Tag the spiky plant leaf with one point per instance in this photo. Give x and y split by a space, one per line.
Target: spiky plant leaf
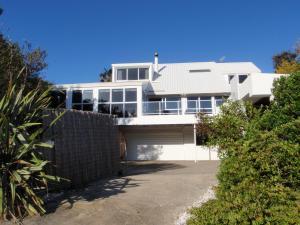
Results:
22 175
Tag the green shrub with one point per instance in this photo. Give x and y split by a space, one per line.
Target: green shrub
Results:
259 175
22 176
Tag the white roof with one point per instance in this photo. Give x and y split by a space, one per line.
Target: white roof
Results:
177 78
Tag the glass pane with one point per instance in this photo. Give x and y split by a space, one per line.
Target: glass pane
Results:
242 78
87 96
219 100
117 109
130 110
121 74
76 106
117 95
130 95
192 98
192 104
205 104
208 111
144 73
104 95
87 107
58 99
133 74
205 98
151 107
172 105
104 108
76 96
174 98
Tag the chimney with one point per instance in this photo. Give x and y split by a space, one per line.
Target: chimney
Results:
156 62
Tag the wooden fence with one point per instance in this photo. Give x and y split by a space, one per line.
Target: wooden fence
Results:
86 147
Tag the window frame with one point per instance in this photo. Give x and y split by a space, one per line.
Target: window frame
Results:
123 102
138 73
82 103
198 100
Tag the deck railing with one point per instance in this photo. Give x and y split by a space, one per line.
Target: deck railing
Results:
162 108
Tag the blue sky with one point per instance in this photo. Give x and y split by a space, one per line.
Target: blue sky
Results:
83 37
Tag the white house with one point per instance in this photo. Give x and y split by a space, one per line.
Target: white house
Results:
155 104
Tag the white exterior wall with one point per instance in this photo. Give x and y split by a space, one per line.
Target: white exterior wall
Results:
147 136
163 143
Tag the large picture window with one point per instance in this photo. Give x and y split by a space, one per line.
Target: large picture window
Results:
133 74
82 100
119 102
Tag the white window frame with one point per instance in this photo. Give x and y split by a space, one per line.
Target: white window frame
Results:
123 100
82 103
138 69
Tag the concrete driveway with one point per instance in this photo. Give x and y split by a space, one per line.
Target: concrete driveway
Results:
149 193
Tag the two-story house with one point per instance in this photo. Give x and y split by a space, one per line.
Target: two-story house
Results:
155 104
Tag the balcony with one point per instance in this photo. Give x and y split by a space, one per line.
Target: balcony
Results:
175 107
162 108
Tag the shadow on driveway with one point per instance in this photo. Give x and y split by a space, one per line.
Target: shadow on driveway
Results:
147 167
108 187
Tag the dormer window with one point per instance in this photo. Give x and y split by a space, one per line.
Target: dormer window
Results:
121 74
125 74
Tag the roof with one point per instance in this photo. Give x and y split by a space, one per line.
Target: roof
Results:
205 77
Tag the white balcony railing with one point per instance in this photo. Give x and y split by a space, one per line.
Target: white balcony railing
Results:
196 106
162 108
175 108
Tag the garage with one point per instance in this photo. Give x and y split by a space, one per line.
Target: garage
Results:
159 143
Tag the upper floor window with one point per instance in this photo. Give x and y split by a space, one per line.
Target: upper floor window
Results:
82 100
230 77
199 104
120 102
133 74
242 78
220 100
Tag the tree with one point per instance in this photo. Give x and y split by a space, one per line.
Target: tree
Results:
23 66
106 75
259 179
287 62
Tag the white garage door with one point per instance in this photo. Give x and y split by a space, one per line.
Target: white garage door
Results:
155 146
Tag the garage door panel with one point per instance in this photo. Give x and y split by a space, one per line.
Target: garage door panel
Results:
155 146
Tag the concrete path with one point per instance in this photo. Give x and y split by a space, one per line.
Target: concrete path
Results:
149 193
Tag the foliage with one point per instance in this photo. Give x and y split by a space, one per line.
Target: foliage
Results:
106 75
30 61
287 62
259 175
22 176
288 67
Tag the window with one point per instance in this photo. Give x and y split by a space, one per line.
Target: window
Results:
242 78
123 102
205 104
143 73
230 77
104 101
117 95
133 74
199 104
201 139
130 95
83 100
58 99
220 100
172 105
121 74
